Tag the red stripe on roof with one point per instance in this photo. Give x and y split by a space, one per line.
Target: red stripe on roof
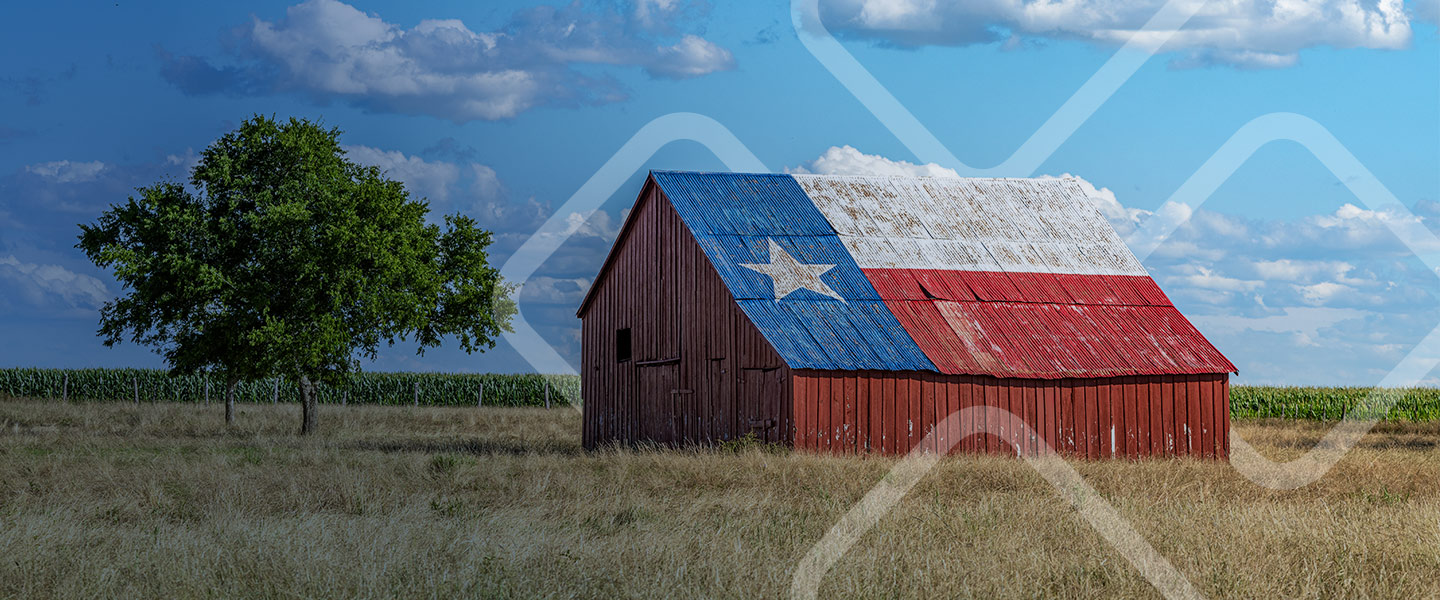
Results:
1048 326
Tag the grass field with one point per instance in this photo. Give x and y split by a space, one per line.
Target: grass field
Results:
114 500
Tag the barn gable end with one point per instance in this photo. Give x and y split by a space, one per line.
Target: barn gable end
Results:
699 371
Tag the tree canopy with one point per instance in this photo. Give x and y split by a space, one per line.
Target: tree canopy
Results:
284 258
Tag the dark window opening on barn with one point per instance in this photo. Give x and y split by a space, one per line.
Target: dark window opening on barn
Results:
622 344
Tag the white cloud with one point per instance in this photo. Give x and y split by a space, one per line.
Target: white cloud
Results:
1353 227
1309 271
1249 34
64 171
423 179
553 290
42 283
1301 320
1320 293
650 13
329 47
487 182
187 161
1122 218
846 160
1205 278
693 56
441 67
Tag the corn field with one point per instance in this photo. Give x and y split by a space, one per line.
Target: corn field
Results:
1335 403
465 389
429 389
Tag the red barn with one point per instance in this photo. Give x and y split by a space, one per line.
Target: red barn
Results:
854 314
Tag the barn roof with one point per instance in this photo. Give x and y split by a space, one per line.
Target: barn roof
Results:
1003 277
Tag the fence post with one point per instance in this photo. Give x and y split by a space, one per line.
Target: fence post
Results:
417 393
547 393
480 395
345 397
275 396
136 384
207 391
65 391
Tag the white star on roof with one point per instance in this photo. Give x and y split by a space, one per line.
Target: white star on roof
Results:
788 274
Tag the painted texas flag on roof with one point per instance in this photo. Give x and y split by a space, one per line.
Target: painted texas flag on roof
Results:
1003 277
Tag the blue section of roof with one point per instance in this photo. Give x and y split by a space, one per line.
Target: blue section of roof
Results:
831 334
728 252
734 217
742 204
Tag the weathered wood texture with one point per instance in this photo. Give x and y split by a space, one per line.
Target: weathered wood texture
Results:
699 371
845 412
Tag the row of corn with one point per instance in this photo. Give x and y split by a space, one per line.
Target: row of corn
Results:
1335 403
490 389
429 389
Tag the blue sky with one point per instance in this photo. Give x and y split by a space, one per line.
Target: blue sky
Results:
503 110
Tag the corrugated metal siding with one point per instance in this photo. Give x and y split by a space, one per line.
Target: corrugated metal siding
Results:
844 412
700 371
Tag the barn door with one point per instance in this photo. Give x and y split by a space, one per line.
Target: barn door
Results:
658 402
760 403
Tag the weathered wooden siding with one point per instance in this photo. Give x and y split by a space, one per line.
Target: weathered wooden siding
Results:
700 371
891 412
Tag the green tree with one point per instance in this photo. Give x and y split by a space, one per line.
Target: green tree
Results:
284 258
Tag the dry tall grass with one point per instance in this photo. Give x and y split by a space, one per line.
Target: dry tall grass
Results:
112 500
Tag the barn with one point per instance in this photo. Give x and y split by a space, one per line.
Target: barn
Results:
855 314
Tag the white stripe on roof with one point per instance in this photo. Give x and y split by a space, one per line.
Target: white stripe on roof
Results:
1014 225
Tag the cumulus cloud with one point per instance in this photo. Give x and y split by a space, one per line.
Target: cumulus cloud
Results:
487 182
1205 278
422 178
846 160
43 284
555 290
1247 34
693 56
441 67
64 171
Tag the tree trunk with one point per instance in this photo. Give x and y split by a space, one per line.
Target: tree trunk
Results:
230 400
308 423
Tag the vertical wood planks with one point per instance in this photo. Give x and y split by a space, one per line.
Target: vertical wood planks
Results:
1157 429
1105 427
1225 420
852 420
1167 414
1207 417
1193 415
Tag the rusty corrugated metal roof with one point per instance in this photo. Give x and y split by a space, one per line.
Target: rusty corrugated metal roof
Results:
1004 277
